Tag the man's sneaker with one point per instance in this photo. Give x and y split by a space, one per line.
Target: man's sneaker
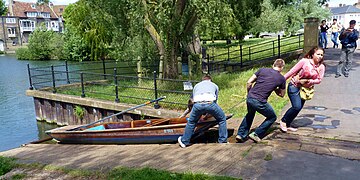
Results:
239 139
346 75
254 137
292 129
283 126
337 75
181 144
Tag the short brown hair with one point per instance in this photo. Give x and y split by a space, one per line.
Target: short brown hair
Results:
280 63
206 77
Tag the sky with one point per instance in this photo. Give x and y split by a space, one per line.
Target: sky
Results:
335 3
56 2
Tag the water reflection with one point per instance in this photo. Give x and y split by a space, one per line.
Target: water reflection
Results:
17 116
42 127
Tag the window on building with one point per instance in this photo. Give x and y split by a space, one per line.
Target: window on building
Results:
11 30
10 20
31 14
45 15
33 6
61 9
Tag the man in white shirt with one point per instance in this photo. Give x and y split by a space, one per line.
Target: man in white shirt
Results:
205 95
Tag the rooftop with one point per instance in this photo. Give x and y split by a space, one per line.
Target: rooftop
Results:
344 10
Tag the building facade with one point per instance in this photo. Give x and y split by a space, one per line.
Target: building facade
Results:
345 14
23 18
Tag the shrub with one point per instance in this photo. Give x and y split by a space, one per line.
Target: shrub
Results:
6 165
23 53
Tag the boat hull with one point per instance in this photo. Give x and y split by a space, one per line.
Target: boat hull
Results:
142 133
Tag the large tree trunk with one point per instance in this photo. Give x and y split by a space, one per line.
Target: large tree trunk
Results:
173 37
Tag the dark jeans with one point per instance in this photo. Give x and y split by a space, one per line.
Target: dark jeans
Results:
200 109
296 104
263 108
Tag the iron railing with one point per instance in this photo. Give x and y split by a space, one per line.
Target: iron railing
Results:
93 82
244 56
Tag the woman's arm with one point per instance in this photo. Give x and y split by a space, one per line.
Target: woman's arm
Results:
294 70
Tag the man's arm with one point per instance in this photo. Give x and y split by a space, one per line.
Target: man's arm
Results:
280 92
250 82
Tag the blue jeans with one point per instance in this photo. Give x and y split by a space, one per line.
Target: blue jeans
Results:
323 40
334 37
200 109
263 108
296 104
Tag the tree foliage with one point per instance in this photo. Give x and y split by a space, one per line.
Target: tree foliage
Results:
271 19
43 45
3 8
150 29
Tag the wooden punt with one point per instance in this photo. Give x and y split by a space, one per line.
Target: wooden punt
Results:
148 131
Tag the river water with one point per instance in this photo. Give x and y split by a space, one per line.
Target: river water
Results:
18 123
17 113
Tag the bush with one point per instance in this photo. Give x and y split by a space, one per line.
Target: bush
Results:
23 53
43 45
6 165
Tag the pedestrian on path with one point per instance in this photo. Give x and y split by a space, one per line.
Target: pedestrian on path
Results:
308 71
266 81
335 28
348 38
205 95
323 34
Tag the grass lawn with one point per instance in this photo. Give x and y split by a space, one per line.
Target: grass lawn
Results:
37 171
232 93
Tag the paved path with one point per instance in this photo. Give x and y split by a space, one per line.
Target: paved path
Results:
279 156
334 112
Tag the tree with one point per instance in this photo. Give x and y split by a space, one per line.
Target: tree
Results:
300 9
271 19
104 25
246 13
3 8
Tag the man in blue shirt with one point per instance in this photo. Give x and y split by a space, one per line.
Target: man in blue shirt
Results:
266 81
205 95
348 38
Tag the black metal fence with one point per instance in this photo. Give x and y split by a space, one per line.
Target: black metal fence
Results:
105 81
244 56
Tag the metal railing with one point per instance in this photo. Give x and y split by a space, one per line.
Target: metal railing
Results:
109 85
249 55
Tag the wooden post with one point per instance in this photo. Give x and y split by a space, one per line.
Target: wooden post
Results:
161 67
179 64
190 65
139 69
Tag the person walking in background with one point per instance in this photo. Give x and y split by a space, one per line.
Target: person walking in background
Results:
335 28
205 95
348 38
308 71
266 81
323 34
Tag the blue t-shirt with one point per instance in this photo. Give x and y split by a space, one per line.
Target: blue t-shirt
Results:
267 80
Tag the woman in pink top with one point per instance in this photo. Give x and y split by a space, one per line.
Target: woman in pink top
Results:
307 72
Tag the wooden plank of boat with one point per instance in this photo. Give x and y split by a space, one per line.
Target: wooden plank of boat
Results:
130 132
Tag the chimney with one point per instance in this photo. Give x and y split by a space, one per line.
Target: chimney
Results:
10 8
340 5
51 5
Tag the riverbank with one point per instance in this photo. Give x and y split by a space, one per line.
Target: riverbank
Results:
322 148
